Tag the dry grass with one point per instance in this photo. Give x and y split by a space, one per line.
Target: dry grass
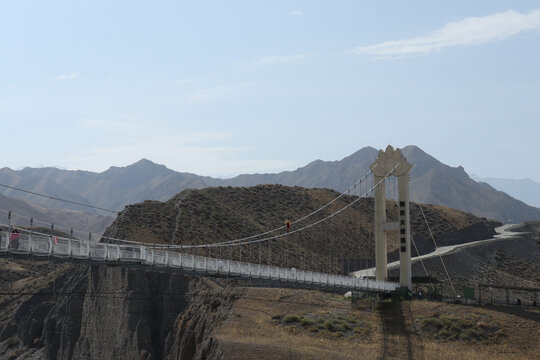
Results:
466 328
334 324
520 341
279 323
267 324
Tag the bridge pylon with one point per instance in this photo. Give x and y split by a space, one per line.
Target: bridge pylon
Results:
391 162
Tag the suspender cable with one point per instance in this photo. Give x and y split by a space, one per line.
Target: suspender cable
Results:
436 246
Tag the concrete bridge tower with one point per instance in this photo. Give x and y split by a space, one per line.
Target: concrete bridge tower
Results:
392 163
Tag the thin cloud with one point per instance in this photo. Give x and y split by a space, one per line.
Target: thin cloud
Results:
127 122
273 59
470 31
69 76
210 93
184 81
296 13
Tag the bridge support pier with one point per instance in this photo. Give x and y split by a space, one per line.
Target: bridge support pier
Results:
381 260
392 163
405 270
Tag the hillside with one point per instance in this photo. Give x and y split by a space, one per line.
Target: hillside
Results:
525 190
511 262
23 210
208 215
436 183
432 182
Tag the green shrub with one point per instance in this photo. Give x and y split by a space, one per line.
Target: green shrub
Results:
291 319
444 334
330 326
360 331
306 322
471 334
431 323
448 321
334 324
466 328
466 323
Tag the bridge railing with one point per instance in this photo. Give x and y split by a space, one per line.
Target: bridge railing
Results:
59 247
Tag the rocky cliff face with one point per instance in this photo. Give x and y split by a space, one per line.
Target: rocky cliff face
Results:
117 313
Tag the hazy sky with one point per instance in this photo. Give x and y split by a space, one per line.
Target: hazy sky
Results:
227 87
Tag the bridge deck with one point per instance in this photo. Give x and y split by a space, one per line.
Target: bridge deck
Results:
73 250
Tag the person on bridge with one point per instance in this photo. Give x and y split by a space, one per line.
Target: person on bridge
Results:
288 224
14 239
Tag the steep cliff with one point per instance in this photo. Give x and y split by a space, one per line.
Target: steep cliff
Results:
103 312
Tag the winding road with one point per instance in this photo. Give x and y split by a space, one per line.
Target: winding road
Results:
503 232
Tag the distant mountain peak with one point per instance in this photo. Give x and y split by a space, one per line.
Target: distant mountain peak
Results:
144 161
431 180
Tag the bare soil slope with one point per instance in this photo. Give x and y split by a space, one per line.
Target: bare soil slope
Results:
210 215
510 262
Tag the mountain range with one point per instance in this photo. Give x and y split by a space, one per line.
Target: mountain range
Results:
431 182
526 190
61 219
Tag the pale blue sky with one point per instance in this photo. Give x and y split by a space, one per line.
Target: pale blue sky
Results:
221 88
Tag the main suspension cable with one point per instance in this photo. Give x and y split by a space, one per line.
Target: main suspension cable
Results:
228 243
58 199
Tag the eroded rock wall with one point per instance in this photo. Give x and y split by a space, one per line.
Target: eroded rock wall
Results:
99 312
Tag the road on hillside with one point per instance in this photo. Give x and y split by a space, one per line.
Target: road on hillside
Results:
503 232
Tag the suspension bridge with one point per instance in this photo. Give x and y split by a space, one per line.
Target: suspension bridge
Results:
20 242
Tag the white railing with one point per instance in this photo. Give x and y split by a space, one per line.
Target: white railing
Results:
24 244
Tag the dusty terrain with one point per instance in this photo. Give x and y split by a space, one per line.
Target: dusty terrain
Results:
255 329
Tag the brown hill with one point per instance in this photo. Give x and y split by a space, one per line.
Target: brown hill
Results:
510 262
196 217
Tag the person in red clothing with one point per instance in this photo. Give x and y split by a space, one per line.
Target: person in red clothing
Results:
14 239
288 224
